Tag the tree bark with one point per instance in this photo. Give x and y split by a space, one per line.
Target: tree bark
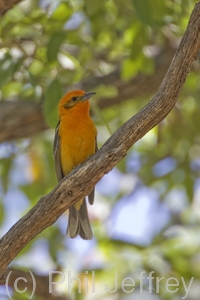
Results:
81 180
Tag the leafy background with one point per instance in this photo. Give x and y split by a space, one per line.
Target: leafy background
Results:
146 215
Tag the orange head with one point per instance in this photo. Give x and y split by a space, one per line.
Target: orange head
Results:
75 101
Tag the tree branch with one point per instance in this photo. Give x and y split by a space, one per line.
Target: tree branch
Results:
140 85
28 117
82 179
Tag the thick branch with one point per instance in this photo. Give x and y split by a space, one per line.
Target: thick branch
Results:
81 180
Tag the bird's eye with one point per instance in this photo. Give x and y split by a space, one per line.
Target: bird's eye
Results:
74 98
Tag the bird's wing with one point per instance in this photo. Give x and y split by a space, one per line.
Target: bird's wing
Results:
56 154
96 146
91 195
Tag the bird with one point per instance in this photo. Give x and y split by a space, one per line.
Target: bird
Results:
75 140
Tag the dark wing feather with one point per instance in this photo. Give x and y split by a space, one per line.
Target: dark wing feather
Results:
79 222
91 195
56 154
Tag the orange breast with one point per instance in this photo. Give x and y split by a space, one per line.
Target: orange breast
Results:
77 140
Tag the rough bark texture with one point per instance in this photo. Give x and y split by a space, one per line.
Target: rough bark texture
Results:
82 179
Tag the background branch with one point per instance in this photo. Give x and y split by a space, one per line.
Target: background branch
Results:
81 180
28 117
41 283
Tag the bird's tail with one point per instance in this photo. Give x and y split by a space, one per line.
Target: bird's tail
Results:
79 223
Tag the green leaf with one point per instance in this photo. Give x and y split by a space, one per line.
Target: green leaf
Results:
53 95
93 7
6 165
85 55
130 68
98 112
6 69
62 12
2 212
54 45
36 67
150 12
11 89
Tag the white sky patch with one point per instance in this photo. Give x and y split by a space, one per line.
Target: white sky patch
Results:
2 53
38 253
109 184
66 62
75 21
16 52
138 217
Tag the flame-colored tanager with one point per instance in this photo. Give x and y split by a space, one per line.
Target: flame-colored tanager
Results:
75 140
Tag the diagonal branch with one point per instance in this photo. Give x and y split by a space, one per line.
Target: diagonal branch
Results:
82 179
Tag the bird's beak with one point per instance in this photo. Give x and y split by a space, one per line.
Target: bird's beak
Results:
88 95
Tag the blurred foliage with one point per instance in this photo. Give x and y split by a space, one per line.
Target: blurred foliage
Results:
46 47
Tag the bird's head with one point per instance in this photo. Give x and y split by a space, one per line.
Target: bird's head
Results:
75 100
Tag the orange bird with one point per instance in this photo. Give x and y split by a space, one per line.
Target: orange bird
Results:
75 140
